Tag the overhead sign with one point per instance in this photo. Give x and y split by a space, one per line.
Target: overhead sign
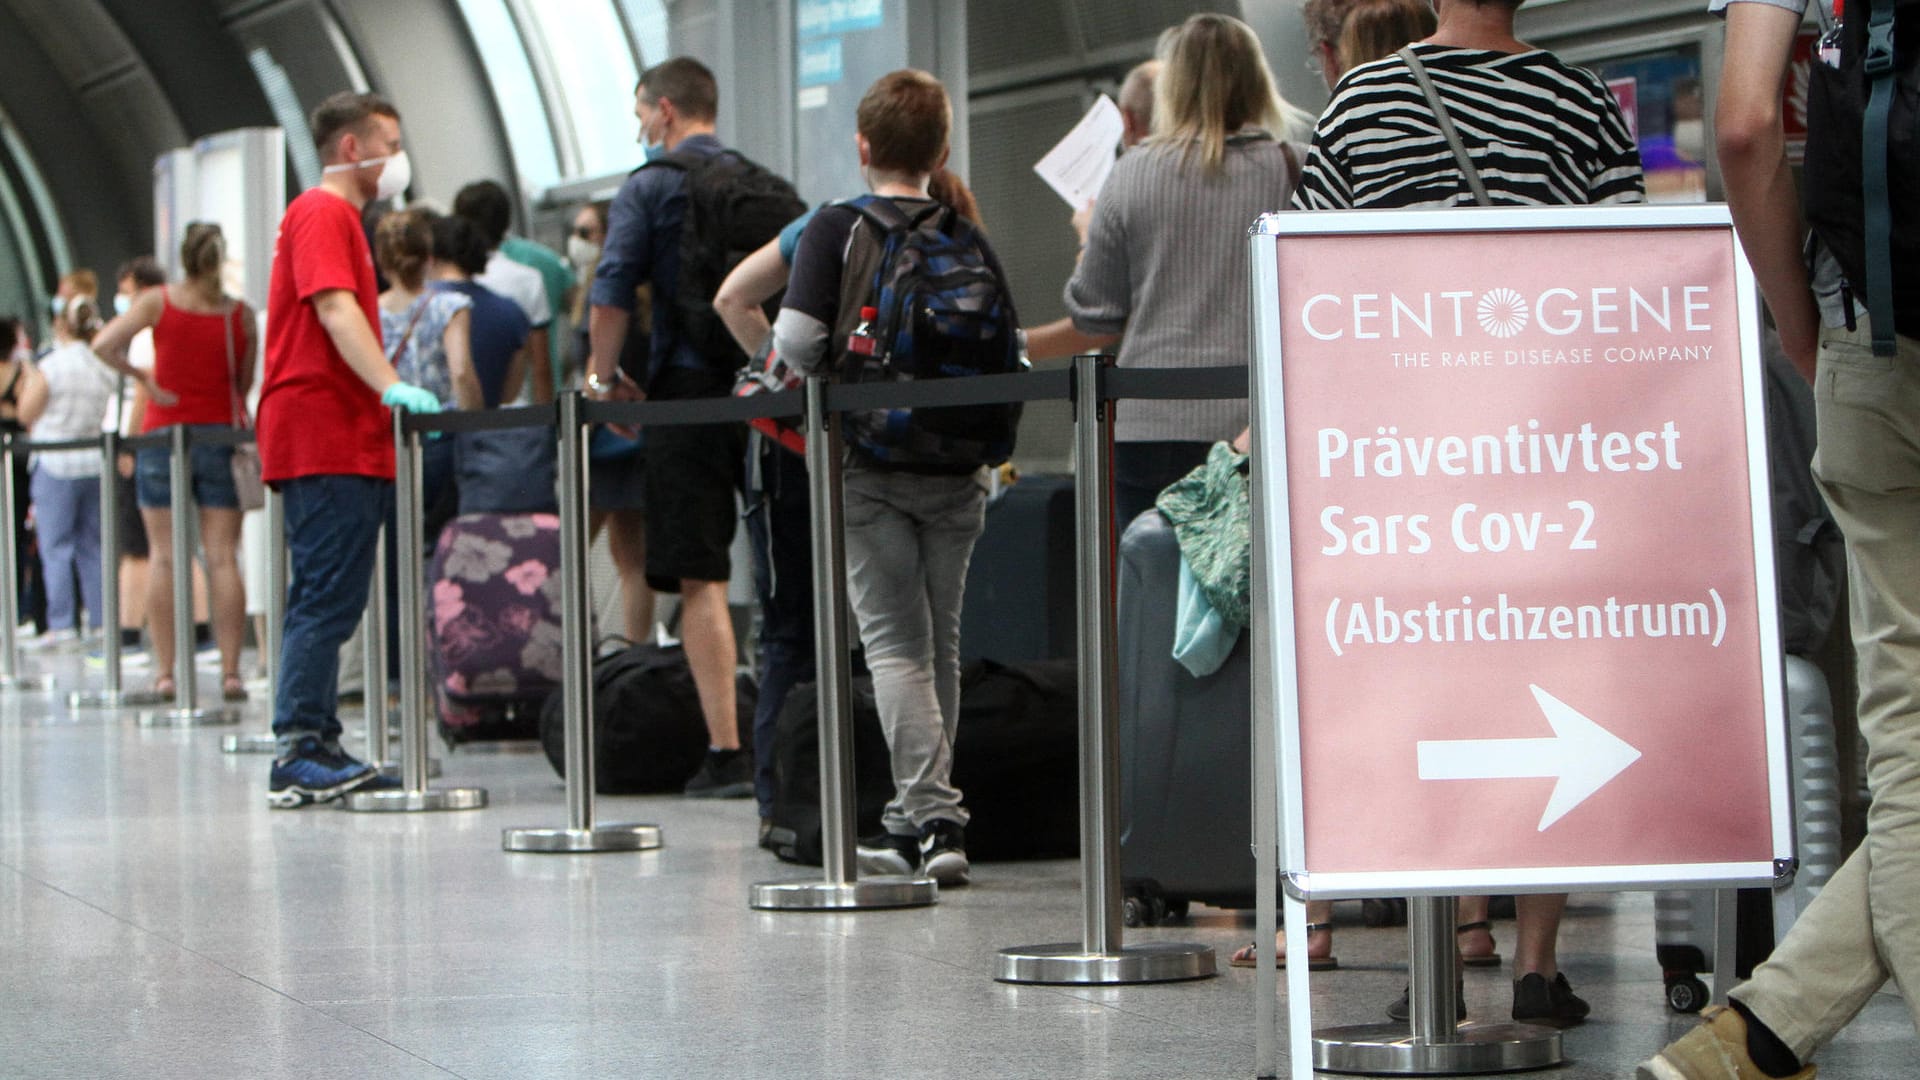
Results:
1514 504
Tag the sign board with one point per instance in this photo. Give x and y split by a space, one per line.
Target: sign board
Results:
1519 592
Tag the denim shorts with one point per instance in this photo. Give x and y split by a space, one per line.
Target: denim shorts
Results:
211 468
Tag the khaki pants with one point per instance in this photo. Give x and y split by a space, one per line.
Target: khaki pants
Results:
1865 925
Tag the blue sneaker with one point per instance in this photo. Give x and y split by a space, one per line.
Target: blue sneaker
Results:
315 773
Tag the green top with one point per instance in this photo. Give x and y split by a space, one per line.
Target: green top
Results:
559 280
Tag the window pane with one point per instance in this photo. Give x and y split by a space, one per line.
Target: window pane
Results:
649 21
587 52
514 91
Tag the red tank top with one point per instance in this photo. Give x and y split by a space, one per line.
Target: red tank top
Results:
190 360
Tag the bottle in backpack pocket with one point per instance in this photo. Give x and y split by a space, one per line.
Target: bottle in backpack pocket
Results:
862 342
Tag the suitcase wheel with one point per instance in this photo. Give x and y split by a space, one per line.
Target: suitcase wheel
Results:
1143 911
1687 994
1176 911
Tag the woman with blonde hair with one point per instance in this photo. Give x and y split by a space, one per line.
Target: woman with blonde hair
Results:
66 483
1165 260
1348 33
204 347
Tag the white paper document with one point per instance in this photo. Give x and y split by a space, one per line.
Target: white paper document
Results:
1078 165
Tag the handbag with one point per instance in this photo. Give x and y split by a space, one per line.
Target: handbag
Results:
247 481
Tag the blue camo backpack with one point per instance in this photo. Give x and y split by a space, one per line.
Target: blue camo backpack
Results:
940 311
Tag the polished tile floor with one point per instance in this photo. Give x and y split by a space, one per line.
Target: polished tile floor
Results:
158 921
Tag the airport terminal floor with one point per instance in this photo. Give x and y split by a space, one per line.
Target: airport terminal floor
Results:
162 922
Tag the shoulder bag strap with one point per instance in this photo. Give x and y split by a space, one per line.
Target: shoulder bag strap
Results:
233 368
1447 129
1876 186
413 323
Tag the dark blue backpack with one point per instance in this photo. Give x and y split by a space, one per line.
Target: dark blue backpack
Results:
940 310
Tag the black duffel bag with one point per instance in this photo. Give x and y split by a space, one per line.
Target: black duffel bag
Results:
648 732
1016 762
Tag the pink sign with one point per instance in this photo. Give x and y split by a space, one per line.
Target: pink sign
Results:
1527 627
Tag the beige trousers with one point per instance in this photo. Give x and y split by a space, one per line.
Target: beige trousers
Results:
1865 925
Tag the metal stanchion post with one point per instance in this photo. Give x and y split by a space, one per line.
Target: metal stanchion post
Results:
841 889
373 665
186 711
276 521
1099 958
10 677
415 765
580 835
114 694
1433 1042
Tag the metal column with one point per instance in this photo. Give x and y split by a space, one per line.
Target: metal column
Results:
186 710
841 888
1099 958
1434 1042
113 695
415 764
580 835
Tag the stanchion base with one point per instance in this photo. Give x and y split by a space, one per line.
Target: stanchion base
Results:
114 699
1390 1049
415 802
581 841
867 892
249 744
1072 965
27 684
391 769
189 718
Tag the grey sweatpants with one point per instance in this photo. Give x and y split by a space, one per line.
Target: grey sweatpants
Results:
909 538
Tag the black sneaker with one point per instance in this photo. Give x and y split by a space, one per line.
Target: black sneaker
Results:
315 773
724 774
1554 1004
1402 1009
889 854
943 851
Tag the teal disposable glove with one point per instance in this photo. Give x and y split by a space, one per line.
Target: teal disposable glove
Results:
411 398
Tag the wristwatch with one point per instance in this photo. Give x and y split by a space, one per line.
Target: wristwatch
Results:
595 386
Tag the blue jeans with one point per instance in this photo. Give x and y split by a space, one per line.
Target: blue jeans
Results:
779 525
332 525
210 468
68 515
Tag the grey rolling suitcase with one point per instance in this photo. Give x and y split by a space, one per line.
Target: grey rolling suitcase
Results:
1693 929
1185 743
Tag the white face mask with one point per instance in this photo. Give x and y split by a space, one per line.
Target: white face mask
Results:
583 253
393 179
121 302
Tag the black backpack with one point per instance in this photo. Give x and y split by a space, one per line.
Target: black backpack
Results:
734 207
649 734
1864 214
940 310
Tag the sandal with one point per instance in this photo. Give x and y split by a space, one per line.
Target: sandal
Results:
163 688
1245 957
1488 959
233 689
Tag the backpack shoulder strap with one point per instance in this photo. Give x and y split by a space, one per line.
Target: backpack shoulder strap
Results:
1876 187
1451 133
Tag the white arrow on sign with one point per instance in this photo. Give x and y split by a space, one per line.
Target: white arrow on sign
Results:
1582 756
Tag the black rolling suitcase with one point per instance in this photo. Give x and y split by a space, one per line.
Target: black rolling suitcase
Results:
1186 744
1019 603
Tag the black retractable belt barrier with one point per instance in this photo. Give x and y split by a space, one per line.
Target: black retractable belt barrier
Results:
10 676
186 710
114 695
581 835
414 794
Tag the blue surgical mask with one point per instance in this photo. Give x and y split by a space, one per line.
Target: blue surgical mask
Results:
57 305
652 151
121 302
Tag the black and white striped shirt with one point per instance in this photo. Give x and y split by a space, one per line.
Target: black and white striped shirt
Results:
1540 132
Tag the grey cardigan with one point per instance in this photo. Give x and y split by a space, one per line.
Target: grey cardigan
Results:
1166 262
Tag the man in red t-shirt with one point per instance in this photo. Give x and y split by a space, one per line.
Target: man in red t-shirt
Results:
325 433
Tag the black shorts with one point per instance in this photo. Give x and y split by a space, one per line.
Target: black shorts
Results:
692 474
617 484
